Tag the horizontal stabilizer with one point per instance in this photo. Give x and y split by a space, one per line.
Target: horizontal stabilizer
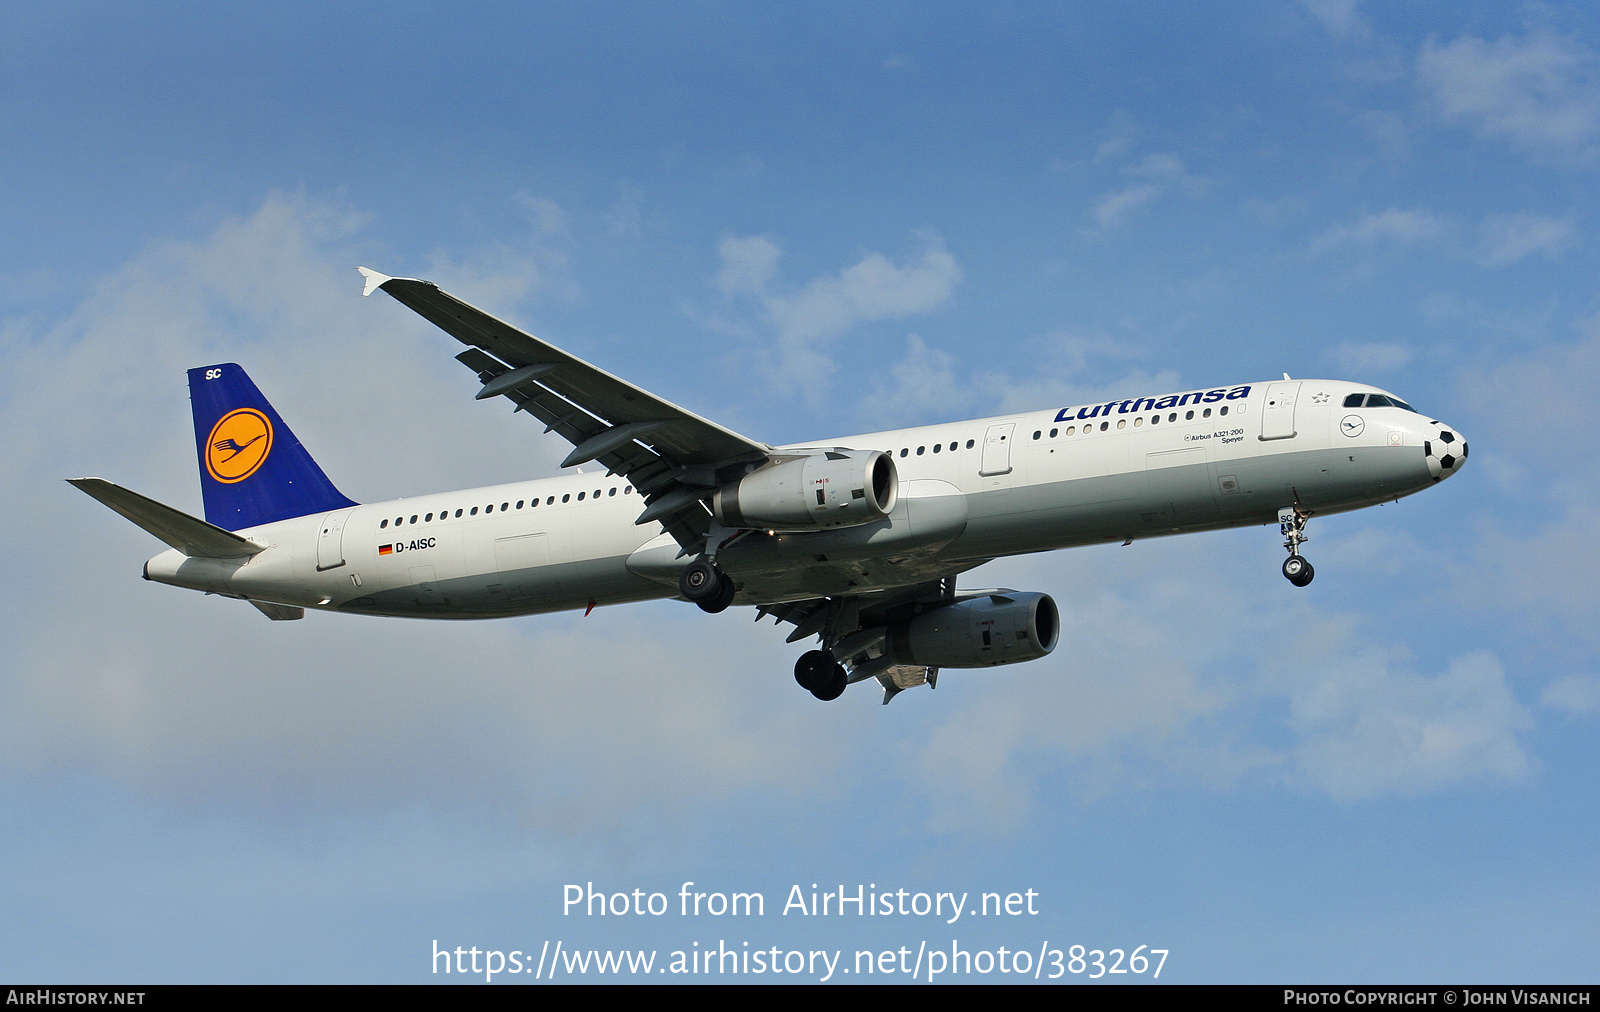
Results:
189 535
279 612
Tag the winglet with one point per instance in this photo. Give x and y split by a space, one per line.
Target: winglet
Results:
375 280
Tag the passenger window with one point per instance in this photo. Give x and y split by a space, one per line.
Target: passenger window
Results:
627 490
567 497
1036 435
505 506
1122 423
969 444
1138 421
904 451
413 518
519 503
1354 400
613 491
383 525
1222 410
1071 429
474 512
489 508
1188 416
580 496
532 503
952 448
939 446
1104 426
1053 433
919 450
1172 417
428 519
1155 419
458 512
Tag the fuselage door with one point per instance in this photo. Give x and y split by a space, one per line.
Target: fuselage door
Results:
1277 411
330 540
997 450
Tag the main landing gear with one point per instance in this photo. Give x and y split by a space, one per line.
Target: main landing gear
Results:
819 674
1292 522
706 585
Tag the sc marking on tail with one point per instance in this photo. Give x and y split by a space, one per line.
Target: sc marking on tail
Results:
856 541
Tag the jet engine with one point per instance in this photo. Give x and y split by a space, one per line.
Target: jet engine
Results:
818 491
1001 627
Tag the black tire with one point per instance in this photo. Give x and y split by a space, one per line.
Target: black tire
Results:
700 581
1298 571
837 682
812 670
724 596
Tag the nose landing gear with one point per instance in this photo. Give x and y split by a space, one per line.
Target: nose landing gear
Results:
1292 522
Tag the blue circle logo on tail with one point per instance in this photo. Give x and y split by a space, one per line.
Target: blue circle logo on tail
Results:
238 445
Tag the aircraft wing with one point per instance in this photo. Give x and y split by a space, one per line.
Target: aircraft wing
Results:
673 457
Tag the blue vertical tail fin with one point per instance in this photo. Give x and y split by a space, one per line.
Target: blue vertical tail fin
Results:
252 469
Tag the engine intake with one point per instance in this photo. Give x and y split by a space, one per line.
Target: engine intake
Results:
822 490
1003 627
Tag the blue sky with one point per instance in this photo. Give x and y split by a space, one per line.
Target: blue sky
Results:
806 223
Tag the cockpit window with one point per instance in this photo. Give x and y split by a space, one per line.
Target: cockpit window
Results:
1354 400
1397 402
1378 401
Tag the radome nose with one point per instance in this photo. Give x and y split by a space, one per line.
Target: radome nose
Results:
1445 450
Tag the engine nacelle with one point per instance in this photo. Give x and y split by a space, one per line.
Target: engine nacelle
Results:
1003 627
830 488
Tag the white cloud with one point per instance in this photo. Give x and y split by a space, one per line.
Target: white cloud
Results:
874 288
1342 18
1354 360
1501 239
1369 730
1155 175
1419 227
925 388
1538 91
1573 693
1506 238
749 263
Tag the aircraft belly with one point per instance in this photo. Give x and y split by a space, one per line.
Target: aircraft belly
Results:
555 587
1183 497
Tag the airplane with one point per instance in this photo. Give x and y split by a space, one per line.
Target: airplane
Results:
856 541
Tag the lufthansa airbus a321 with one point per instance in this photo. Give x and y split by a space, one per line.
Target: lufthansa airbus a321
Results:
855 540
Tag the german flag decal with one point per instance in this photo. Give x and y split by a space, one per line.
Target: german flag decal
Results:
385 549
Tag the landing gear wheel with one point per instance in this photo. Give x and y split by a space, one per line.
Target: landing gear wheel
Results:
837 682
813 670
724 596
1297 570
700 580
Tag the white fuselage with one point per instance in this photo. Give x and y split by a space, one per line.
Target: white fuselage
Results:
968 492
